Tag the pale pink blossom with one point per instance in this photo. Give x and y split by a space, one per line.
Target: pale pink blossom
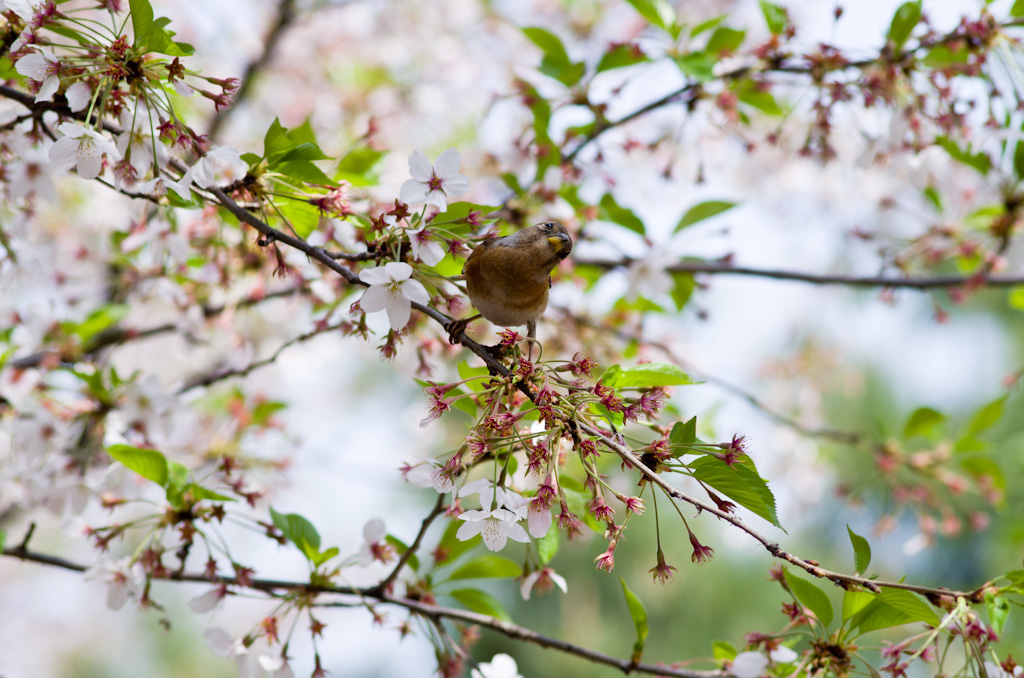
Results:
393 290
434 184
82 148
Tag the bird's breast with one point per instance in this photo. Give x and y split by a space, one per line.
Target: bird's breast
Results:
504 291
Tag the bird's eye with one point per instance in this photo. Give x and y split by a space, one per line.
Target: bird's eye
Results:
547 226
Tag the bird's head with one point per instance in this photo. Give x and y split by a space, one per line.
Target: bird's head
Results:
557 238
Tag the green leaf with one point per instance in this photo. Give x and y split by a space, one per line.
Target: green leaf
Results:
358 167
1016 297
725 41
460 211
776 17
922 422
149 464
979 161
756 95
621 56
682 288
401 548
861 551
487 566
150 34
482 602
102 318
1018 9
451 547
986 417
941 56
555 62
721 649
547 546
200 493
610 210
811 596
639 615
321 558
303 171
684 434
702 211
855 601
708 25
657 12
739 483
998 609
298 531
932 195
697 65
646 375
302 216
893 607
903 22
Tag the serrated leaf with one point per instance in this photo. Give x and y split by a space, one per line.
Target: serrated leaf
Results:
697 65
861 551
776 17
555 63
487 566
684 434
721 649
854 602
151 34
621 56
682 288
998 609
547 546
979 161
610 210
903 22
482 602
986 417
298 531
359 165
725 40
739 483
811 597
646 375
304 151
657 12
702 211
149 464
303 217
639 616
922 422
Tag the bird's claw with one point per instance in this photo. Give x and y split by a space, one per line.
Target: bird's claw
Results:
454 329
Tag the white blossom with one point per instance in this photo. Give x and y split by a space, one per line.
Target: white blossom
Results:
433 184
30 175
78 96
43 67
83 148
123 579
546 575
424 247
500 666
392 290
496 527
223 165
749 664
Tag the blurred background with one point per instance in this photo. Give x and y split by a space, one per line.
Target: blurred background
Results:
433 75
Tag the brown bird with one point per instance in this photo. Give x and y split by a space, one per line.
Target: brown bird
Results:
508 278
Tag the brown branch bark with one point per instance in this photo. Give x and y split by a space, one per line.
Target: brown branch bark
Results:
922 283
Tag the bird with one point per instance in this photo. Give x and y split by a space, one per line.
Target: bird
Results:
508 278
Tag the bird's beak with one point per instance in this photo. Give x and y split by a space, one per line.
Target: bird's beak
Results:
562 244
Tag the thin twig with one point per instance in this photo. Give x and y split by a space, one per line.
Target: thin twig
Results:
388 581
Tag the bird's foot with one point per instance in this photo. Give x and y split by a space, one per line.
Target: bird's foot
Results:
455 328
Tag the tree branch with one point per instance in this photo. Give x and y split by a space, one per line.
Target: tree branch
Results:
923 283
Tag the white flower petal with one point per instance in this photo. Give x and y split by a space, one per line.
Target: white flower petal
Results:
419 167
374 530
413 290
413 192
375 276
448 164
783 655
375 298
437 197
398 270
456 185
78 96
399 310
48 89
538 517
749 665
469 530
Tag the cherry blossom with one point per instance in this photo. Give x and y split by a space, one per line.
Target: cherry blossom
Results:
44 68
83 148
496 527
223 165
123 579
500 666
425 248
392 290
542 580
433 184
78 96
374 545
